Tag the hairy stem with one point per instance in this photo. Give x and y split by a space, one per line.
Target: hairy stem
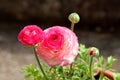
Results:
90 68
72 26
39 64
71 69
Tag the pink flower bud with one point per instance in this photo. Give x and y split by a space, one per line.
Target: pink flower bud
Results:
94 51
91 52
59 47
30 35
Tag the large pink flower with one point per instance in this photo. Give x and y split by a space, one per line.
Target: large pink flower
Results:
59 47
30 35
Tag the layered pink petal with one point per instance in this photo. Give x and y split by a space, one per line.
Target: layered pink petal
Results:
30 35
59 47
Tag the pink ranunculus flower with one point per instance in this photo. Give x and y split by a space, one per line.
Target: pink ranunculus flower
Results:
59 47
30 35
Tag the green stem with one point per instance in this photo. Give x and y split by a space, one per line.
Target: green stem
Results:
39 64
91 71
101 74
72 26
71 69
63 74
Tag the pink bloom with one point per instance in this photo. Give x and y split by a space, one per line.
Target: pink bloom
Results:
59 47
30 35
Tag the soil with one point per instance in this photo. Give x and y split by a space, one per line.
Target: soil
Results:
13 55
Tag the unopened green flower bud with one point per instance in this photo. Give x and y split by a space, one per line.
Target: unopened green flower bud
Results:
74 17
96 51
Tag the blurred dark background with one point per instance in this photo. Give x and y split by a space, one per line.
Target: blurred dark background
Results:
99 27
96 15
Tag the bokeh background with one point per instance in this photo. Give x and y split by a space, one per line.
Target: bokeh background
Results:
99 27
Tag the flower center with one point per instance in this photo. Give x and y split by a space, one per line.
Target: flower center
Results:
54 37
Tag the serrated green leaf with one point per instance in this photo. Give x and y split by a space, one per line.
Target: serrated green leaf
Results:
110 61
101 61
31 72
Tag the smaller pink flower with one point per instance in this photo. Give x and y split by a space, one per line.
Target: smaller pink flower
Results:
30 35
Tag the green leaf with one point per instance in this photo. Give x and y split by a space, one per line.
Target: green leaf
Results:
110 61
101 61
31 72
75 77
82 48
116 76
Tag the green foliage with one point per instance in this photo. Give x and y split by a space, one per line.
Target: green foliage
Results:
84 65
101 61
32 72
116 76
110 61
